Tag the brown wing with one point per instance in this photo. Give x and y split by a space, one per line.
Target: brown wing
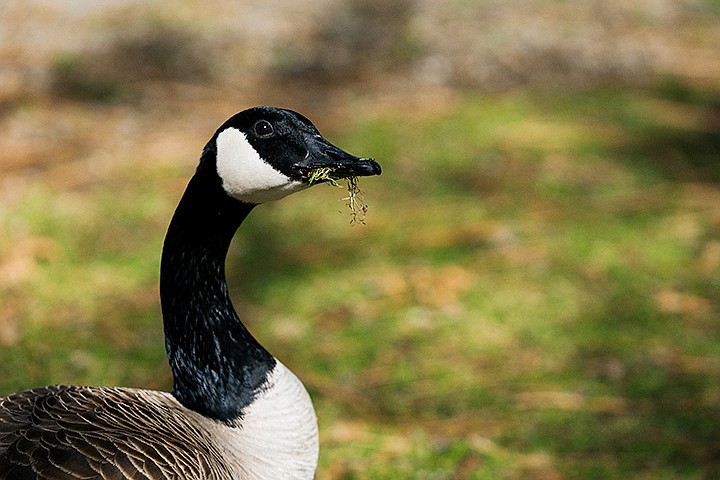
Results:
69 432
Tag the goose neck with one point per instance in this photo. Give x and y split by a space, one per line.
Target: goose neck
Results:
217 365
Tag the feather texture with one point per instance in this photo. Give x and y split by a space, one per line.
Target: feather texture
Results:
71 432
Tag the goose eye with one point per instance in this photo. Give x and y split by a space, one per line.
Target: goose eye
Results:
263 128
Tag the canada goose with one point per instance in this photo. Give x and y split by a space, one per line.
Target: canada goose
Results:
235 412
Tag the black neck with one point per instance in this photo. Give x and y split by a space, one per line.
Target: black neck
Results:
217 365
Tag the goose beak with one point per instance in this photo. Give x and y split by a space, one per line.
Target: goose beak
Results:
323 154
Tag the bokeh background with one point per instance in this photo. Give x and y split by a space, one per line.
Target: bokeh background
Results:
536 293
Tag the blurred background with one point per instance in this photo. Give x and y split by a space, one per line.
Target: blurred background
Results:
536 293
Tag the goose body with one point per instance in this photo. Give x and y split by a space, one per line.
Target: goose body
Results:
235 412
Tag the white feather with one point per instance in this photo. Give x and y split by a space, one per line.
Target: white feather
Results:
277 436
246 175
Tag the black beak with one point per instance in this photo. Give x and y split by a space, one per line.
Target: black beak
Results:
341 164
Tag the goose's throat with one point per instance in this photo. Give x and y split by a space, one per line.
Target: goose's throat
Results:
218 367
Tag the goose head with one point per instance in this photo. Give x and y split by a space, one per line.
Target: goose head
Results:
267 153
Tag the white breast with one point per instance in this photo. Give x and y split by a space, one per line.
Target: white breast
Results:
244 173
277 437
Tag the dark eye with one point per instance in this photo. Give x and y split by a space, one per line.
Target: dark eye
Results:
263 128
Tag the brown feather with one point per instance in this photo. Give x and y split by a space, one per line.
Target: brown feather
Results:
69 432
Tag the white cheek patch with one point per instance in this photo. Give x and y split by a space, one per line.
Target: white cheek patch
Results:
245 175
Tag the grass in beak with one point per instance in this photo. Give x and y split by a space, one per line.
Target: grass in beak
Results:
355 199
320 175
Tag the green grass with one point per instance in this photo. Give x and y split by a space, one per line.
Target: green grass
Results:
535 293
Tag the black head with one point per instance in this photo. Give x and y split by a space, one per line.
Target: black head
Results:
266 153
